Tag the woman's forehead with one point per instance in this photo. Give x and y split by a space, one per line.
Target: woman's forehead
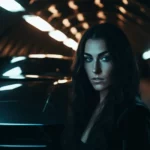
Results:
95 46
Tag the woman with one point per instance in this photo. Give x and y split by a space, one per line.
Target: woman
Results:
106 113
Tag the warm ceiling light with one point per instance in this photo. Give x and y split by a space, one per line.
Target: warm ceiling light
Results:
31 2
11 5
72 5
32 76
58 35
55 83
38 22
102 21
73 30
121 17
37 56
101 15
54 56
48 56
56 15
53 9
85 25
125 2
51 17
71 43
122 10
80 17
98 3
57 56
66 22
62 81
78 36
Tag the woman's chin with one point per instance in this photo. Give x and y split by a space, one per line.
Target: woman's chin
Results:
99 88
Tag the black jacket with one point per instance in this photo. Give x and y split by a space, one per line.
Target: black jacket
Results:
130 132
133 128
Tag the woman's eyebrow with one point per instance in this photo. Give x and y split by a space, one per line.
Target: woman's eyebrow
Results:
100 54
87 54
103 53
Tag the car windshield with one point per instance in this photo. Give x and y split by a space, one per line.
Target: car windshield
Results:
30 67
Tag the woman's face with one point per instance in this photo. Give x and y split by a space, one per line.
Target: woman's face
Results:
98 64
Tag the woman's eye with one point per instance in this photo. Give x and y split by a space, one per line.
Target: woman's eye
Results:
87 59
106 58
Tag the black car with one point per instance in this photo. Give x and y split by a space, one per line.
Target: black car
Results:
33 101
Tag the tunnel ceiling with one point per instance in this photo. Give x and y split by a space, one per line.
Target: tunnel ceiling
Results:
19 38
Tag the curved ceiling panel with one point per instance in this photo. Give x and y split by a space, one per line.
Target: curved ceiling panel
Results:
72 17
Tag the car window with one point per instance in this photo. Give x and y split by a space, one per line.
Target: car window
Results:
35 66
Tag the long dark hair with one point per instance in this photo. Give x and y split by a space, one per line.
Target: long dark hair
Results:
124 77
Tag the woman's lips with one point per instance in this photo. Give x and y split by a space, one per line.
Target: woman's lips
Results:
97 80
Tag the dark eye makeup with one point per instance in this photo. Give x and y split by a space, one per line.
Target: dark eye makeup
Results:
88 58
104 58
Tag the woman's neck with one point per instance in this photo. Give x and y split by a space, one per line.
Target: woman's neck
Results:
103 95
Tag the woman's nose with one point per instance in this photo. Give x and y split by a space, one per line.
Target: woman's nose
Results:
96 67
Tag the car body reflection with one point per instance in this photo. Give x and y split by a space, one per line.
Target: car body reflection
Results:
33 101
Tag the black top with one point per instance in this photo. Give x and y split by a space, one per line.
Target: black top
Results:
84 146
131 132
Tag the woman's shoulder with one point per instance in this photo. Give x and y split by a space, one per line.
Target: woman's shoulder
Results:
134 126
140 109
140 104
137 111
135 118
